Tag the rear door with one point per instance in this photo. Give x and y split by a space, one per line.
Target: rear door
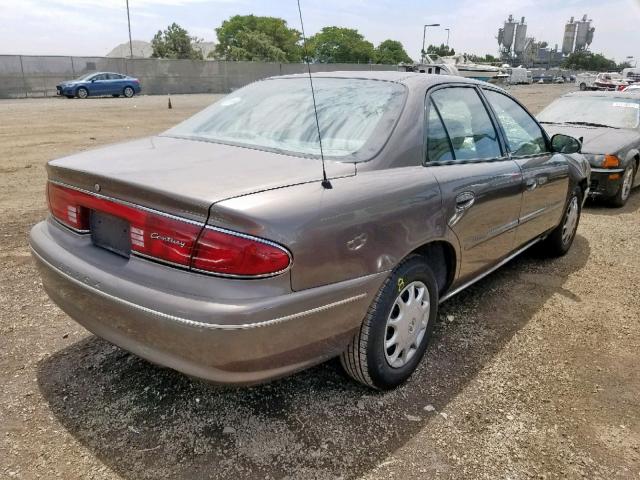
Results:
481 186
545 174
115 84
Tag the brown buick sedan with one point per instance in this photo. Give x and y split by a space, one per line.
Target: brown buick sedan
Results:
219 249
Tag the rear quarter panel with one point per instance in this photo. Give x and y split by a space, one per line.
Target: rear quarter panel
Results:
365 224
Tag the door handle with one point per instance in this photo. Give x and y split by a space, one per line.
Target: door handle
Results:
464 201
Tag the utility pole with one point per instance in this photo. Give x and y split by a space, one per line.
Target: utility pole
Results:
129 23
424 34
448 31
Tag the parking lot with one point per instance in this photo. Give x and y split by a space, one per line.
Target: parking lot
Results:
532 372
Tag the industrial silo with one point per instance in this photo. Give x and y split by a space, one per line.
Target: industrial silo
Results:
508 33
582 37
521 36
569 37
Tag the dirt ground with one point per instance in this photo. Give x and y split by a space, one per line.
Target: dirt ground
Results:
532 373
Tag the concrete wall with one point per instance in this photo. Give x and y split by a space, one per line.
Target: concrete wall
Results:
37 76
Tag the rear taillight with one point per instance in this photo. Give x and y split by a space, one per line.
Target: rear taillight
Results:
152 234
172 240
229 253
65 207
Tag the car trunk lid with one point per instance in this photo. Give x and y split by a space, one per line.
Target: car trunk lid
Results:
185 177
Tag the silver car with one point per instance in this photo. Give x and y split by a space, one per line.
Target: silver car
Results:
220 249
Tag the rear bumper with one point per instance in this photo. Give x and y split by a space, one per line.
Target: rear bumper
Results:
240 340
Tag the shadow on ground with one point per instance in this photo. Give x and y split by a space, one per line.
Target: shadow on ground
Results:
144 421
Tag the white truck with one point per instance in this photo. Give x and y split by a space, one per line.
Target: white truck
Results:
519 76
586 81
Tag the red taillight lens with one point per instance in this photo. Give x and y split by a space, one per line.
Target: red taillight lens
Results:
230 254
64 205
170 239
152 234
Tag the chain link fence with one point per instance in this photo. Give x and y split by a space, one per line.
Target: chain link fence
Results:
24 76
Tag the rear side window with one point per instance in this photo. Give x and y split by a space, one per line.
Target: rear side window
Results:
524 136
438 144
467 124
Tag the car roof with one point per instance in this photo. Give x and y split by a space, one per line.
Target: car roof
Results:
614 94
416 79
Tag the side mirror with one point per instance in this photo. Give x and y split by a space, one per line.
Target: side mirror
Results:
565 144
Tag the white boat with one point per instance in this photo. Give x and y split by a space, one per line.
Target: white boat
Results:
478 71
431 64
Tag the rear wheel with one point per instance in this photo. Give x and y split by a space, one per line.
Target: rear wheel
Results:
128 92
82 93
396 330
625 188
561 238
583 86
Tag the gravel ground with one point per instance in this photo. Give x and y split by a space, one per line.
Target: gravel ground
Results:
532 373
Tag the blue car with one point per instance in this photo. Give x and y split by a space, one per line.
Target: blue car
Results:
100 83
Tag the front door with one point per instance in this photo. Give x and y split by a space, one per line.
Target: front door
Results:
545 174
481 187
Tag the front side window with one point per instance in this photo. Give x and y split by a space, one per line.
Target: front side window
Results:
467 124
524 136
356 117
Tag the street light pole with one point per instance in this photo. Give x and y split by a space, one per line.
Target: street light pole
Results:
129 24
448 31
424 34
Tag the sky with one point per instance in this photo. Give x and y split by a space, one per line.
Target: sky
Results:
94 27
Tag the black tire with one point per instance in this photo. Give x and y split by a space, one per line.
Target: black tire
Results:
69 96
583 86
620 198
557 242
128 92
115 95
82 92
365 359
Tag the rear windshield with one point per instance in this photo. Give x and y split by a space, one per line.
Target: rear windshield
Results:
613 112
355 116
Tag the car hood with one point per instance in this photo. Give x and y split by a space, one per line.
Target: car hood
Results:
185 177
597 140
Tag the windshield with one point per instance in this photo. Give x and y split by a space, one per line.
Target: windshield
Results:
608 111
84 77
355 116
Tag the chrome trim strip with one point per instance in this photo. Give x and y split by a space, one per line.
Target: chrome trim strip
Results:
450 294
607 170
193 323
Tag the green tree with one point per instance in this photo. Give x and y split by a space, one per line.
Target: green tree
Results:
442 50
391 52
589 61
488 58
175 42
340 45
253 38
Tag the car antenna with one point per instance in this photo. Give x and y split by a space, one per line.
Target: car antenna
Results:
325 181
